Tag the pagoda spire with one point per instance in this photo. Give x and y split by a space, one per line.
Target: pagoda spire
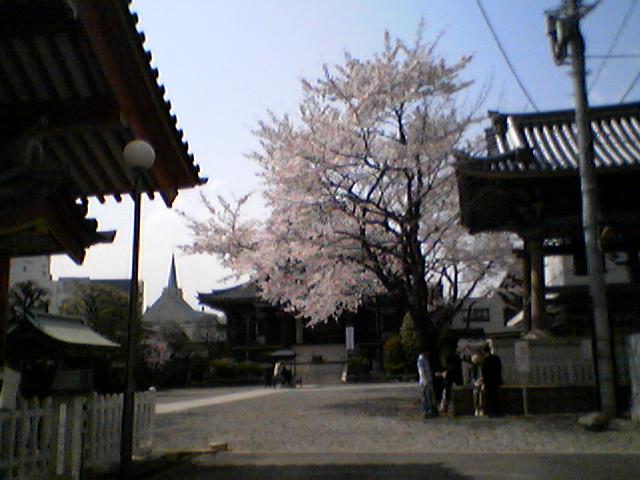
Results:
172 283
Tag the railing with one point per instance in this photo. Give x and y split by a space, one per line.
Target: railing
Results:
633 355
570 373
42 439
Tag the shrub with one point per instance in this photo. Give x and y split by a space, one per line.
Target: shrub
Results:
249 369
394 355
358 365
409 338
226 369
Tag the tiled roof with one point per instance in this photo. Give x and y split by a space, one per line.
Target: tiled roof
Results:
245 292
75 77
68 329
547 141
39 215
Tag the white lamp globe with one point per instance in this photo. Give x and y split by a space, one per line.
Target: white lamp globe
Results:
139 154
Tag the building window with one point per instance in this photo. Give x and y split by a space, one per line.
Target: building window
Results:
479 315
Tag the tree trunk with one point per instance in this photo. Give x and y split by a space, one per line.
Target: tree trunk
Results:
417 304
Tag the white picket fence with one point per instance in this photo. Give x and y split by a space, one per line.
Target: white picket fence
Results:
42 439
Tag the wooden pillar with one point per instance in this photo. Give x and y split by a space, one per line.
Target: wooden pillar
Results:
633 265
379 343
537 285
247 336
526 280
5 263
299 331
283 329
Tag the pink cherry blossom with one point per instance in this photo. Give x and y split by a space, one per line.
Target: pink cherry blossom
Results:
361 191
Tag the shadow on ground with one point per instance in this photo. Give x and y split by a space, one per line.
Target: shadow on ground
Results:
433 471
380 407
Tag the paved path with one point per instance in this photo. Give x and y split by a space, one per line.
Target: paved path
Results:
376 431
173 401
181 405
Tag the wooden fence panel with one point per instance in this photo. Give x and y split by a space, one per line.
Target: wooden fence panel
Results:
58 437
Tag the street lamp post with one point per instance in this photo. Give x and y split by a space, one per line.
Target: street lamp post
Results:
139 156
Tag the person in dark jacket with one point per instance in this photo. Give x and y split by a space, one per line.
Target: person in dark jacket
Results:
452 375
492 379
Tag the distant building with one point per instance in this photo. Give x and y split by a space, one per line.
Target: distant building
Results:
65 289
170 314
486 313
34 269
38 270
528 184
256 329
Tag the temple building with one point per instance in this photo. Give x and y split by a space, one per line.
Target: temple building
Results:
171 315
255 328
528 184
76 86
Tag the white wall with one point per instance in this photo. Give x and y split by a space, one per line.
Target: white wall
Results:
35 269
496 314
38 270
559 271
329 352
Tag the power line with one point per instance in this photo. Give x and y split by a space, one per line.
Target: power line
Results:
504 54
633 84
627 15
615 56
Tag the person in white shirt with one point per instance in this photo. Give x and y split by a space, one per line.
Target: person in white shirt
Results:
428 403
277 374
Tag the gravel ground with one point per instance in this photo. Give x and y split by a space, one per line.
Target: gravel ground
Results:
371 419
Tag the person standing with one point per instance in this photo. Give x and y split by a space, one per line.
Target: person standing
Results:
277 374
452 375
492 379
476 383
426 382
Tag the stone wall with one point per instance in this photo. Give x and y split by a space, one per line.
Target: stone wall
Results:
633 362
320 364
532 399
555 361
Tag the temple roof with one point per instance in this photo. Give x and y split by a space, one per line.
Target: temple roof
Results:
528 182
244 293
173 276
171 307
76 85
75 78
547 141
39 216
67 329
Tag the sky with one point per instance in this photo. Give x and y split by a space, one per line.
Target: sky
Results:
226 63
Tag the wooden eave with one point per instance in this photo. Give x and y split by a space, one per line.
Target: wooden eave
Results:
75 76
541 203
134 84
46 223
245 294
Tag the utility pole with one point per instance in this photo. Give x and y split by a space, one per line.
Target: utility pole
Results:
564 30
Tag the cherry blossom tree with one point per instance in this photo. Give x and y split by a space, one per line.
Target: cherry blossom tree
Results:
361 192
